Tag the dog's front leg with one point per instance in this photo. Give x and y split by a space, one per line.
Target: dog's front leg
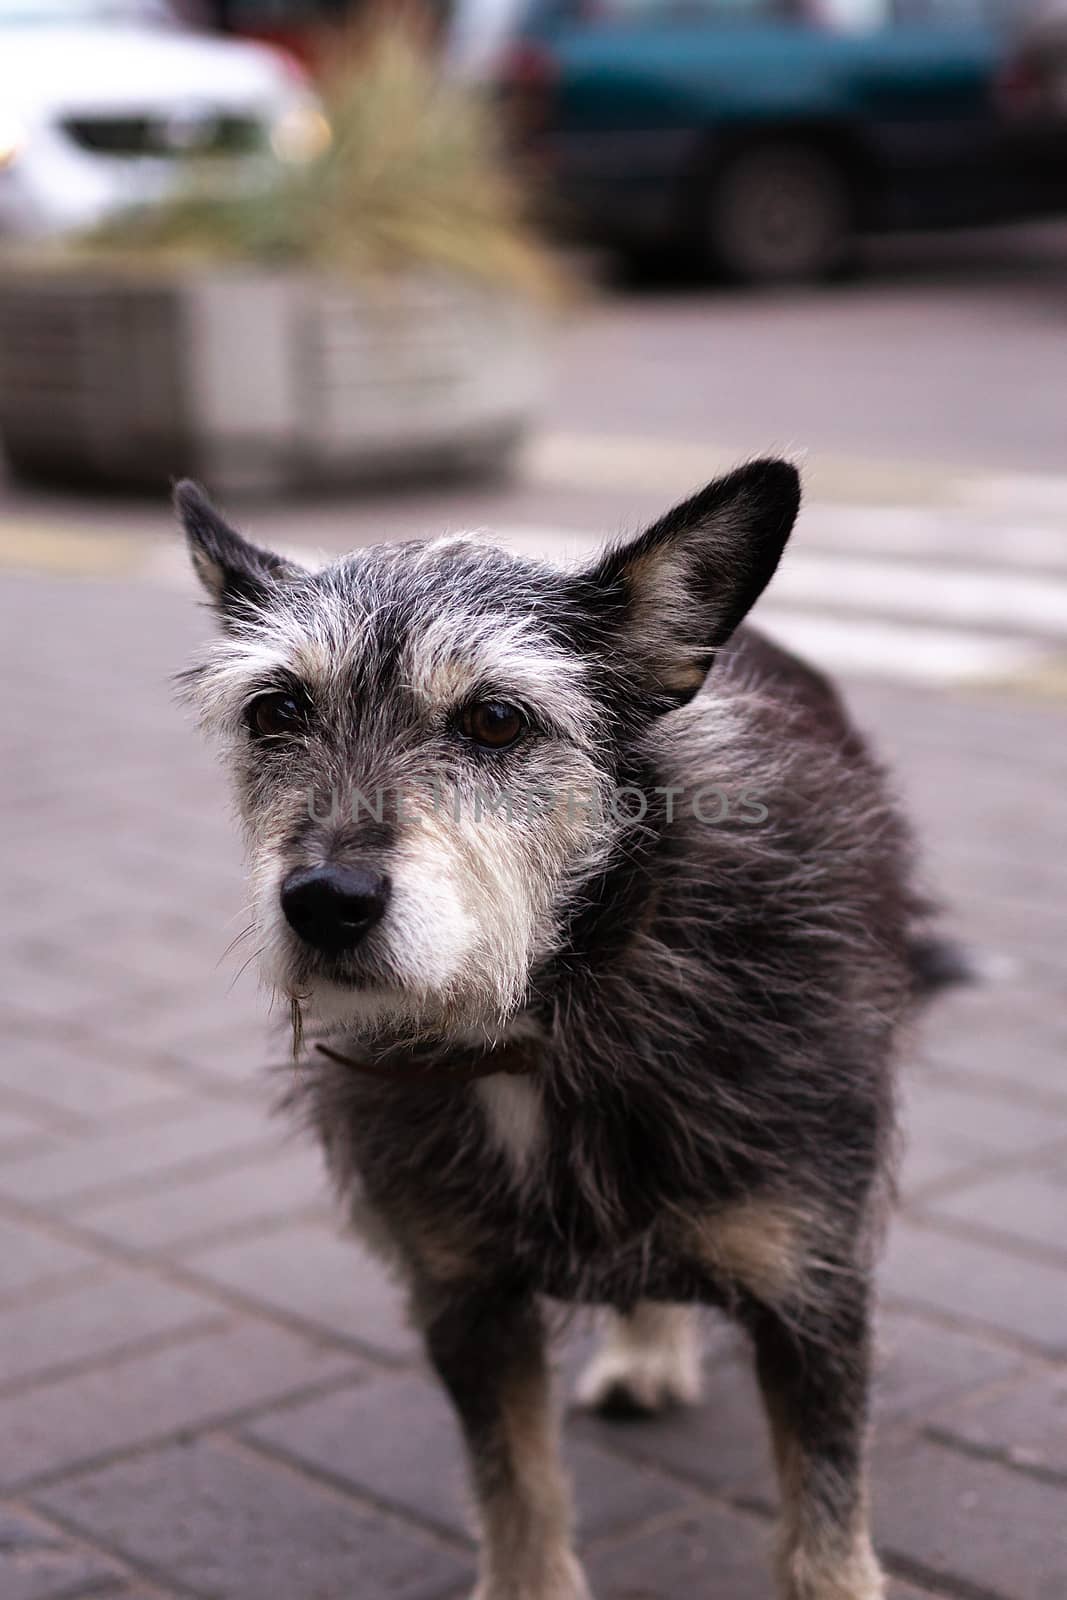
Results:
488 1347
814 1385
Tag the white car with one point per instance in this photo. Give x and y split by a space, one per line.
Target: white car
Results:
103 103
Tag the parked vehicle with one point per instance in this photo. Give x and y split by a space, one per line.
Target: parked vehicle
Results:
297 26
103 104
1035 89
767 135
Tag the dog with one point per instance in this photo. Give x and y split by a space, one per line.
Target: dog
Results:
606 924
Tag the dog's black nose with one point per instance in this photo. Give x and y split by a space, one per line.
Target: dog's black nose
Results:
333 908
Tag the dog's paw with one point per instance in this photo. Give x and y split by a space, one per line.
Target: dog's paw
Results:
808 1575
617 1386
564 1580
634 1375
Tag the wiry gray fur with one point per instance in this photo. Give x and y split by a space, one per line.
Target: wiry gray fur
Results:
705 1015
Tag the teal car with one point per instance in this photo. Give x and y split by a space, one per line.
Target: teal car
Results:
766 136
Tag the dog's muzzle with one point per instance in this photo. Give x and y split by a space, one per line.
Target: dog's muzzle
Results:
333 908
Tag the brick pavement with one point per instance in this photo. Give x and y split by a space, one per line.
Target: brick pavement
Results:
206 1392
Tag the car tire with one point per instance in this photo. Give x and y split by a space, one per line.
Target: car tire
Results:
779 213
27 462
667 263
490 462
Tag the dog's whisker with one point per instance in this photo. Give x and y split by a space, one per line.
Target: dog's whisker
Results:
243 968
237 939
246 910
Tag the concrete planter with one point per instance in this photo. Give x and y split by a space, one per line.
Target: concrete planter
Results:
258 381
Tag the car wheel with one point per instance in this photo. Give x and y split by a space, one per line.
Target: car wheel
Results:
779 213
491 461
668 263
28 461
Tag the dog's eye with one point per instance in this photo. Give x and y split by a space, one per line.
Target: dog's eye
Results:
271 715
493 724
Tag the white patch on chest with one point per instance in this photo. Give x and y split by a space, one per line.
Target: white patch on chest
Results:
514 1118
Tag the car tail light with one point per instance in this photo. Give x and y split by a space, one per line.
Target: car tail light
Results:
296 70
1019 90
528 76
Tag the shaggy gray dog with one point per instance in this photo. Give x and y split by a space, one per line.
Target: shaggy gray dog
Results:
603 918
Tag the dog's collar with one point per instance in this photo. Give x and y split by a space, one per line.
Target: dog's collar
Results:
514 1060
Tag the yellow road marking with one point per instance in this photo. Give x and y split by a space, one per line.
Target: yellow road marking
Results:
669 466
39 547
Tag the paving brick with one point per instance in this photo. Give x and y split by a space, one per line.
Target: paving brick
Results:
101 1162
37 1562
962 1519
123 1591
1002 1033
908 1591
722 1444
711 1552
973 1281
155 979
92 1321
948 1130
221 1023
990 809
1024 1422
181 1386
48 996
232 1525
612 1494
163 955
72 895
252 1052
68 1078
29 1257
1028 1206
942 731
397 1440
312 1272
21 1135
919 1365
1011 877
175 1215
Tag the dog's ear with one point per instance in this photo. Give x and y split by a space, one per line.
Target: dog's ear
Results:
234 572
672 596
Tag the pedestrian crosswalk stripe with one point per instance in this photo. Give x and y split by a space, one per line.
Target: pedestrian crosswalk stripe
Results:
667 465
1017 494
955 595
1004 601
878 614
924 533
913 621
871 647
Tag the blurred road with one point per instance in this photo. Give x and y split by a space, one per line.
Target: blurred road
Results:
927 403
205 1392
947 354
